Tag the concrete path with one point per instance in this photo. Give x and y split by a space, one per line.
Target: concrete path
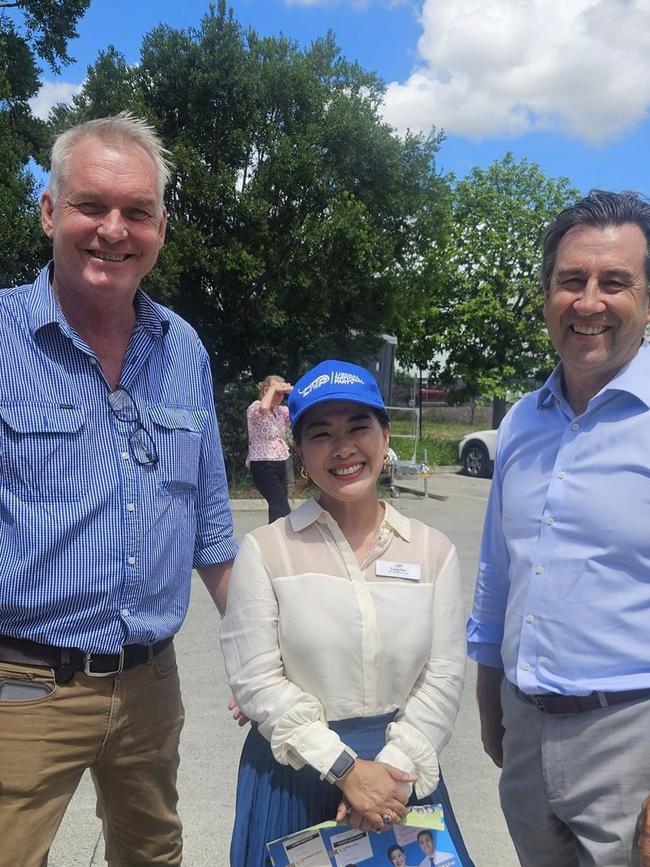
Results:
212 741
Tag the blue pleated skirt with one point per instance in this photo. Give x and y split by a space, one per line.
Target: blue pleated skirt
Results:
274 800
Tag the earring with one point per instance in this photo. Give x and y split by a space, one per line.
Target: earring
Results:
303 472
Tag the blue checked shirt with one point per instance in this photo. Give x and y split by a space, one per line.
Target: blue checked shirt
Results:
563 593
96 551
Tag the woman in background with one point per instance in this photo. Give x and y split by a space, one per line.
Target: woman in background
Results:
268 425
347 720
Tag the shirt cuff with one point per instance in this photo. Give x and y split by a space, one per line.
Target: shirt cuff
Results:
220 552
484 643
312 744
485 654
408 750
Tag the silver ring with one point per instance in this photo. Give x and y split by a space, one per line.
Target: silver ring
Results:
387 820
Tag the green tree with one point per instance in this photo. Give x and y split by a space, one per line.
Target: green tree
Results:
298 220
29 30
484 313
22 243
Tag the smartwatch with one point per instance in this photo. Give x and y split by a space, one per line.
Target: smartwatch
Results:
342 765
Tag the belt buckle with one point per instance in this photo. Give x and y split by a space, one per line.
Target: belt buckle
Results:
88 661
537 700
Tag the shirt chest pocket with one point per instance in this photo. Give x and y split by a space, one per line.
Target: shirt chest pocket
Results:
178 434
44 455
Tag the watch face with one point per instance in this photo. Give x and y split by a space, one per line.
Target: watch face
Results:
342 765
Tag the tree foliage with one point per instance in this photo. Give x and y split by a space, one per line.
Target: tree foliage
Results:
483 320
45 26
22 243
29 30
298 220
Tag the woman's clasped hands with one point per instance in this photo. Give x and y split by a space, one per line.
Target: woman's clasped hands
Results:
375 795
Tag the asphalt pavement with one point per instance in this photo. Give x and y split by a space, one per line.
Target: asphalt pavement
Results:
212 741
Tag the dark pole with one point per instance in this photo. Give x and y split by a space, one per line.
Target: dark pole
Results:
498 411
420 403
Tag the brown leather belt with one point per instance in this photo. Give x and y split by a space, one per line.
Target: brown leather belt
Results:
67 660
554 703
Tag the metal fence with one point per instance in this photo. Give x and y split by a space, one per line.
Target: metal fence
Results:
440 429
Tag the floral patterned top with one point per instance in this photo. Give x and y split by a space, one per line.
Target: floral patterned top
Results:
267 433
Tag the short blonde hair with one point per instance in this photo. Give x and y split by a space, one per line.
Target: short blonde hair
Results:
266 383
119 129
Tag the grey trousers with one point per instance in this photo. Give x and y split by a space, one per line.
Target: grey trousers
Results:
572 785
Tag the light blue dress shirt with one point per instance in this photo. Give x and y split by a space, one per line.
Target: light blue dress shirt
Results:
562 600
96 551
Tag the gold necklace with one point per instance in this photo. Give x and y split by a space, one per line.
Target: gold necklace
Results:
375 536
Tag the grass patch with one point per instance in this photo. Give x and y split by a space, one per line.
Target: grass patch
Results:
438 444
442 453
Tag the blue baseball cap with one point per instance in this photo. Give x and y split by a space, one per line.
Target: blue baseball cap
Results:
333 380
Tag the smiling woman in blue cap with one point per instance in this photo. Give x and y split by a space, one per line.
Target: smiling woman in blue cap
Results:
343 636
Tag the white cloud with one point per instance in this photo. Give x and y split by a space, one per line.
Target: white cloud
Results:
506 67
50 93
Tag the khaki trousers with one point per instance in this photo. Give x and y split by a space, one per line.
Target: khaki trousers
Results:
126 729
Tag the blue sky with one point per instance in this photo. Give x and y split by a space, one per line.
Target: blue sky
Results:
564 83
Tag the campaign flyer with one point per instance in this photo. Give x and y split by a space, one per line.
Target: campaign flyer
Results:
420 841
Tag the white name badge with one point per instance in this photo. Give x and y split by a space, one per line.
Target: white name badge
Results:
390 569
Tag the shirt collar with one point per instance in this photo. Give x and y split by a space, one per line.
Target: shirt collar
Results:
311 511
552 388
45 311
150 315
634 378
42 306
398 522
305 514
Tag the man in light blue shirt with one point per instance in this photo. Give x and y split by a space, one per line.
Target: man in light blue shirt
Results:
562 602
112 487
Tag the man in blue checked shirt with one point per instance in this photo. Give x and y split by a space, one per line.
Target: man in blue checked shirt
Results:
562 603
112 488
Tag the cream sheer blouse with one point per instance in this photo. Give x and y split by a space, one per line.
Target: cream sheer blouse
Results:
309 636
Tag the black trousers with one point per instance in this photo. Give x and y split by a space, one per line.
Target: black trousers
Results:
270 479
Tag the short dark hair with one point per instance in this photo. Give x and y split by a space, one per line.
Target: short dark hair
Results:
599 209
395 848
425 832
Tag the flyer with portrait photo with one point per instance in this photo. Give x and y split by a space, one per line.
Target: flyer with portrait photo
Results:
420 841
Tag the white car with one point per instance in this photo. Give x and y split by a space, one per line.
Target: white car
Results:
476 453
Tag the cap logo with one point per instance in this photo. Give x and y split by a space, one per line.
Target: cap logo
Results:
341 378
338 377
315 383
